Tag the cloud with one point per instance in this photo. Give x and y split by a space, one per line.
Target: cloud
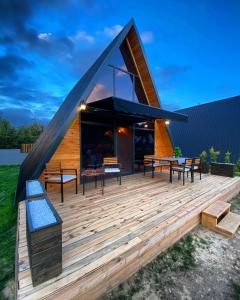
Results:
10 64
112 31
83 36
45 36
99 92
21 116
168 73
147 37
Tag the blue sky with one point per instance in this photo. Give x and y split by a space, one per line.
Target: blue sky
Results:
45 47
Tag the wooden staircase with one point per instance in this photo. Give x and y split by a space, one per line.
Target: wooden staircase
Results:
218 217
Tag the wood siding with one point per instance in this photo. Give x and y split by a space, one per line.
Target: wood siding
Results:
142 68
163 144
68 152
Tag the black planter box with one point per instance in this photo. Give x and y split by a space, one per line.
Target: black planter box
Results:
205 167
44 238
222 169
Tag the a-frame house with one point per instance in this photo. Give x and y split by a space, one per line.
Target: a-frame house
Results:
123 115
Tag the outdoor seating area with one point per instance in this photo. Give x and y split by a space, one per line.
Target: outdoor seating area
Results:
106 238
179 165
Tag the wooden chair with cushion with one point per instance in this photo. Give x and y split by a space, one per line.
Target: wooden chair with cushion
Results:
151 162
182 168
197 167
55 174
112 166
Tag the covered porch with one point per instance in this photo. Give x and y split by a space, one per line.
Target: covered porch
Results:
106 238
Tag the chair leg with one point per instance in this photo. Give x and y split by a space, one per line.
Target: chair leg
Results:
83 185
144 170
46 186
179 175
120 181
152 172
62 200
192 176
183 178
76 183
200 175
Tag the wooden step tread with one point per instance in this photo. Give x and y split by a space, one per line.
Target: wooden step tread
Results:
229 224
217 209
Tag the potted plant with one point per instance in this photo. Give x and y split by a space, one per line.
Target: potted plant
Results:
204 163
222 169
238 167
177 152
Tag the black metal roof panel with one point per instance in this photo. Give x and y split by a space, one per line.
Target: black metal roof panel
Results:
214 124
136 109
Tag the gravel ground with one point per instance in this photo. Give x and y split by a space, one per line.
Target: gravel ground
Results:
203 265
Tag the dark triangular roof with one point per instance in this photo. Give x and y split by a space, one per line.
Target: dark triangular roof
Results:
52 136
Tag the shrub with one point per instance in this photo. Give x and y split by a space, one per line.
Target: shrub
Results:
238 165
203 156
228 157
213 154
177 152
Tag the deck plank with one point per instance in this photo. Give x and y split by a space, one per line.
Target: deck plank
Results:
106 238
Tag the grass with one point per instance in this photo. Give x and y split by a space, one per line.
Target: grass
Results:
179 258
8 216
237 290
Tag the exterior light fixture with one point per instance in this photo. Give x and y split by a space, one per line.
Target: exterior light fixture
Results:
82 106
145 125
167 122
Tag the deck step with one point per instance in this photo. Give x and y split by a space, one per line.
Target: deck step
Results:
217 209
229 224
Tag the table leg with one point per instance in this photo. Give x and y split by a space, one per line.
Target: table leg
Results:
102 184
95 182
83 185
170 180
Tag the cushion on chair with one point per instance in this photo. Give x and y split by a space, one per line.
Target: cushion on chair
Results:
179 169
66 178
196 167
112 170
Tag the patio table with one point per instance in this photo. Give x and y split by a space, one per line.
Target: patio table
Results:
93 173
170 159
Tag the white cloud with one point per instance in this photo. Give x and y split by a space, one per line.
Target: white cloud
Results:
119 73
112 31
83 36
147 37
45 36
100 91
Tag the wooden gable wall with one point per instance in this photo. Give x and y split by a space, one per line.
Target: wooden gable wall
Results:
68 152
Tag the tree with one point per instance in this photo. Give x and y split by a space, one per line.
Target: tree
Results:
11 137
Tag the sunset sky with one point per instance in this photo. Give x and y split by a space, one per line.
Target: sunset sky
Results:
192 47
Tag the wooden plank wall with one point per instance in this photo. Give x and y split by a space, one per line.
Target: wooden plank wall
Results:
68 152
163 144
142 67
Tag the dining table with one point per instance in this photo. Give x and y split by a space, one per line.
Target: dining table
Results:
170 159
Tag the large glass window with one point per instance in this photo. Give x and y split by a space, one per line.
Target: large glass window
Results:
117 79
144 143
97 142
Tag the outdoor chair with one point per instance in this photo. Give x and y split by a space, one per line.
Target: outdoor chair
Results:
196 167
55 174
112 166
152 163
186 167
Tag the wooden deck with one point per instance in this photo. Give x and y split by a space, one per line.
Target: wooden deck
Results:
108 238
